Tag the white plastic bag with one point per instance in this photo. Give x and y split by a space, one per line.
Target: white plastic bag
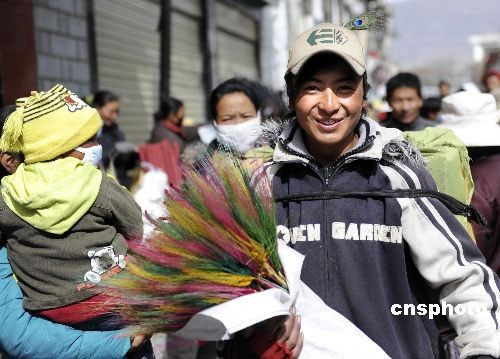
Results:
327 334
150 195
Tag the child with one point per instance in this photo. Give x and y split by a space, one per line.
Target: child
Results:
65 222
20 335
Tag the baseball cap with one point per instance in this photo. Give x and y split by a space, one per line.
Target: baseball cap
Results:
327 37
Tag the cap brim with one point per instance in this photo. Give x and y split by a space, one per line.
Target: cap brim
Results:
356 66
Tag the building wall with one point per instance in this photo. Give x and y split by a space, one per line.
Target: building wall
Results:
17 50
61 41
274 41
128 60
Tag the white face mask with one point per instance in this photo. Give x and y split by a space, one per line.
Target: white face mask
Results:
92 155
241 137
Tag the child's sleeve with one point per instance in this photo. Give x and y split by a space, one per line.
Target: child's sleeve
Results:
25 336
126 215
449 260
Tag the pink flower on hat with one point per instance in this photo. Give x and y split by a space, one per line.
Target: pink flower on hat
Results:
73 102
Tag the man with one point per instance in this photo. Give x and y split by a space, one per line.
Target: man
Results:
364 256
405 98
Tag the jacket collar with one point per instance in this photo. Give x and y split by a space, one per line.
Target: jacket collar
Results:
170 126
291 147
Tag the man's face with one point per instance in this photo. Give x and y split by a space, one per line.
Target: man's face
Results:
328 107
406 104
444 90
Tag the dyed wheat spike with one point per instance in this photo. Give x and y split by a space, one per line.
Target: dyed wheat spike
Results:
218 244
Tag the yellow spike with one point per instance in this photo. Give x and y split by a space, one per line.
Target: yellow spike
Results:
235 280
12 132
140 272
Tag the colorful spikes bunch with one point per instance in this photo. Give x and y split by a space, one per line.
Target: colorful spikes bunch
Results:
218 244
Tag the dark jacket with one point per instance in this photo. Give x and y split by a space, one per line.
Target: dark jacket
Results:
486 198
364 255
108 136
57 270
419 124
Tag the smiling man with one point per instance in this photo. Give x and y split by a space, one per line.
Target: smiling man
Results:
364 254
405 98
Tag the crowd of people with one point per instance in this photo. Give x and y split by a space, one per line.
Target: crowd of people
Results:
401 244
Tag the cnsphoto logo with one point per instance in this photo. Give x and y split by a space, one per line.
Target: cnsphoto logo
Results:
432 310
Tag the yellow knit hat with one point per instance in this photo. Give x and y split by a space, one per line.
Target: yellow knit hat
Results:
48 124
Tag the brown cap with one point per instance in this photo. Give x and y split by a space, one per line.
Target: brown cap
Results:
327 38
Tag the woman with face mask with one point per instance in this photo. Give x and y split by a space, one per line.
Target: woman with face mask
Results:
236 122
234 106
234 109
168 122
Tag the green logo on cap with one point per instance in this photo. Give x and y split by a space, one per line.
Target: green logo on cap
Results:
327 36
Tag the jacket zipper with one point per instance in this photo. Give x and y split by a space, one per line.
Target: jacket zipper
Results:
325 179
325 224
345 157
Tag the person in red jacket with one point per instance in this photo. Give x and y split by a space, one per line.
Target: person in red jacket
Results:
473 117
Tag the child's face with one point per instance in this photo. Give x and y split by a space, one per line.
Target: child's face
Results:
89 143
328 106
10 161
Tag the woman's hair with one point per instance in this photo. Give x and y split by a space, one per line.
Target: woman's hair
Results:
235 84
101 98
168 105
313 66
